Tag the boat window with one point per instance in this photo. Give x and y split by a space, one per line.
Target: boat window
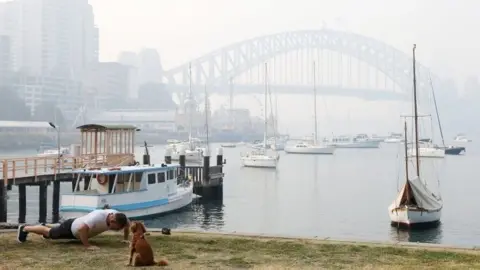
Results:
151 179
161 177
170 175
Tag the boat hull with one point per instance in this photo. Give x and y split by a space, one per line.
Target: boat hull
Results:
454 150
365 144
409 217
181 199
428 152
313 150
190 156
259 162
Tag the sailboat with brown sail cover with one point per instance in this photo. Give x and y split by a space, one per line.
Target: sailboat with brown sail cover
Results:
415 203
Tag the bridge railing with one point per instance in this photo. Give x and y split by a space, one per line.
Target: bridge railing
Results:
13 168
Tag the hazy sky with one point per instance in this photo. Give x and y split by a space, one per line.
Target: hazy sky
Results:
184 29
181 30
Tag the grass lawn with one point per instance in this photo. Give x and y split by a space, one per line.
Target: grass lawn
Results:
205 251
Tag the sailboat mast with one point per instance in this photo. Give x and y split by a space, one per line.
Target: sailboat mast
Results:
190 104
407 188
417 156
314 106
265 111
206 117
436 110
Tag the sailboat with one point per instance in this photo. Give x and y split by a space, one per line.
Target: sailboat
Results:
315 147
193 153
259 157
449 150
415 203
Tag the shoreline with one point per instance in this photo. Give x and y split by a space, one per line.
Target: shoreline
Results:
12 228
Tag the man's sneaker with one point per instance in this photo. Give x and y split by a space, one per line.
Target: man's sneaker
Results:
21 234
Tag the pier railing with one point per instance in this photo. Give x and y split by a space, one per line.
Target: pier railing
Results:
12 168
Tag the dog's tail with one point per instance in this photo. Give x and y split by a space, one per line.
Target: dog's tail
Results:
162 263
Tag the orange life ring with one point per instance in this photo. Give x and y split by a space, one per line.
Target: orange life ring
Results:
101 179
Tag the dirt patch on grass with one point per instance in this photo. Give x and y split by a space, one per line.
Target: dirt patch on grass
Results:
209 251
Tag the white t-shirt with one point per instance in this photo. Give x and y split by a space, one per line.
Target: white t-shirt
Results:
95 220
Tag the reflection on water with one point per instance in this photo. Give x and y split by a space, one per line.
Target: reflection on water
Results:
203 215
432 235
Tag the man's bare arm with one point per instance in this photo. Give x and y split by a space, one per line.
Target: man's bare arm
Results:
83 235
126 231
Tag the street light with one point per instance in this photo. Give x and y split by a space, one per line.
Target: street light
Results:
57 128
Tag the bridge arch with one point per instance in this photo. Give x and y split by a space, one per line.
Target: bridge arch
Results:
220 65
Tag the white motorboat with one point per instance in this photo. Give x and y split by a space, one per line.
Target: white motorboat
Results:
259 157
394 138
462 138
352 142
427 150
140 191
307 148
415 203
228 145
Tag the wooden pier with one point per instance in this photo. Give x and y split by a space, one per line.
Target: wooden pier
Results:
102 146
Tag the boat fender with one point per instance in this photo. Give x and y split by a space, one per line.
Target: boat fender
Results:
101 179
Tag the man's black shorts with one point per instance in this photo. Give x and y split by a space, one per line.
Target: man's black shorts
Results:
62 231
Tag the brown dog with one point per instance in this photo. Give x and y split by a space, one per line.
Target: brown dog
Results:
141 248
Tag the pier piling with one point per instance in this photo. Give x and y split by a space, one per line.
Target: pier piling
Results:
168 156
42 201
56 202
22 203
206 166
182 161
3 201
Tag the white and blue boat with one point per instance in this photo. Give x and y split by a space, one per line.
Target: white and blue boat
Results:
140 191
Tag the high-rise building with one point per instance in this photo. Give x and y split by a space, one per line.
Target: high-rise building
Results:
149 67
54 38
5 60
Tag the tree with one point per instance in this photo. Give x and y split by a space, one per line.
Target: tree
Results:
155 95
47 111
12 108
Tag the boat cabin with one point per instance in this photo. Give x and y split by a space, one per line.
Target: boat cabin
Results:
107 145
122 188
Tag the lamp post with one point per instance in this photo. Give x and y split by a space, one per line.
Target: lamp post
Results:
57 128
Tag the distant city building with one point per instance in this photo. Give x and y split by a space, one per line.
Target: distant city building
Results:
51 37
109 85
149 67
35 90
5 60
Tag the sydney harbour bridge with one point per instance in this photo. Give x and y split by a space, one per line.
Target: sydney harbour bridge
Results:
347 64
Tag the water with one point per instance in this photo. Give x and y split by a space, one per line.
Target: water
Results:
344 196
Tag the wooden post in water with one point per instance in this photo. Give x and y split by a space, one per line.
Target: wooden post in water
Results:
22 203
183 161
168 156
3 200
206 167
56 202
42 201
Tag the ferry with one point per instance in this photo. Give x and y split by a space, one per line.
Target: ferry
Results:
140 191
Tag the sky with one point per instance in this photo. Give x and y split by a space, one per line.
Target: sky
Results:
182 30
